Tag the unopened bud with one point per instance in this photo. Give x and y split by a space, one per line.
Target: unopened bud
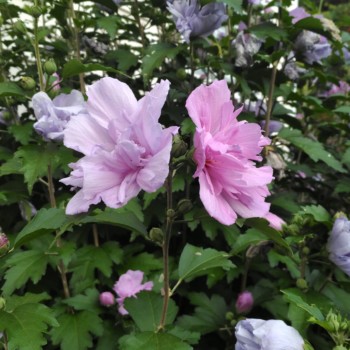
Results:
19 27
171 214
27 83
179 147
156 235
181 73
107 299
301 283
306 251
184 206
50 67
244 302
229 316
35 11
4 244
2 303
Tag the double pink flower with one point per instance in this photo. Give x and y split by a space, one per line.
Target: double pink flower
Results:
225 151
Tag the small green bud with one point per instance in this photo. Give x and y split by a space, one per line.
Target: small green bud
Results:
233 323
184 206
35 11
27 83
229 316
50 67
181 74
171 214
2 303
19 27
179 147
306 251
301 283
156 235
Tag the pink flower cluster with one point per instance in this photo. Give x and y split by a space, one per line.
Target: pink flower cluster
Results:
225 151
125 149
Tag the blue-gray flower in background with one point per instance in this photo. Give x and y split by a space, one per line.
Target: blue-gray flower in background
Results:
192 21
312 46
53 115
339 244
255 334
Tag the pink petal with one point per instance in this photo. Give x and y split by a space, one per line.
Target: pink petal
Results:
275 221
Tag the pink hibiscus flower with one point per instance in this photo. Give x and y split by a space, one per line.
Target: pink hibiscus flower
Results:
225 149
128 285
125 149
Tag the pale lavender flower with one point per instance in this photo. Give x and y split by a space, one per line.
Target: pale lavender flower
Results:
129 285
342 88
254 2
107 299
298 14
125 148
258 107
291 70
53 115
117 2
255 334
246 46
244 302
312 46
192 21
339 244
274 126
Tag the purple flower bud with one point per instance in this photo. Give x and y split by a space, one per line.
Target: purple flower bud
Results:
4 243
53 115
192 21
339 244
244 302
107 299
255 334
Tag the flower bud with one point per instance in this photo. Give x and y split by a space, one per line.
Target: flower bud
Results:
229 316
306 250
181 74
2 303
35 11
107 299
179 147
156 235
184 206
301 283
4 244
244 302
19 27
27 83
171 214
50 67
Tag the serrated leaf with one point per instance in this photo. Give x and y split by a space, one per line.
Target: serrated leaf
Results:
250 237
26 265
10 89
87 301
294 298
110 24
155 56
45 221
313 149
12 166
319 213
146 310
268 30
75 67
22 133
76 330
31 169
125 59
127 220
186 335
209 315
144 261
14 301
152 341
26 326
196 261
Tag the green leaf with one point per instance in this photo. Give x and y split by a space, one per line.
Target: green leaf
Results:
10 89
87 301
26 326
343 186
110 24
292 297
236 5
155 56
144 261
75 330
26 265
115 217
319 213
152 341
75 67
32 170
12 166
125 59
146 310
268 30
22 133
209 315
313 149
276 258
196 261
45 221
250 237
343 109
298 318
14 301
